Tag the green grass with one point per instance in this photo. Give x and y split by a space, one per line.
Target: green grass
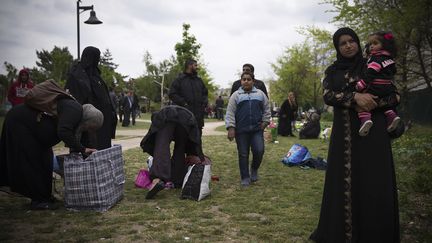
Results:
283 206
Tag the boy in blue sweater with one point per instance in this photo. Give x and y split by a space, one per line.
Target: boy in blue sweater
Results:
248 114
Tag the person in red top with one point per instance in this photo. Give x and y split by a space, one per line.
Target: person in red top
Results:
20 87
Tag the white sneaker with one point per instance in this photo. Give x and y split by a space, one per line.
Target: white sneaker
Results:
364 129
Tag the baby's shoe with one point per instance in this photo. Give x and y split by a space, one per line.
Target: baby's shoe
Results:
392 121
365 127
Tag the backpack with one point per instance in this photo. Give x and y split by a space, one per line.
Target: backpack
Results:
43 97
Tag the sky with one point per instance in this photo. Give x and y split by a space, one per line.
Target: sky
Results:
231 32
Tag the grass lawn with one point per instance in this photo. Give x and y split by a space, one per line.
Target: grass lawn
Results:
283 206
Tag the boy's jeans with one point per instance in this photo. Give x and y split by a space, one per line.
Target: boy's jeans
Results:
255 141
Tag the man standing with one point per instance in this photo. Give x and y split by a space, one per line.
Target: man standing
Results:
219 108
249 68
188 90
127 109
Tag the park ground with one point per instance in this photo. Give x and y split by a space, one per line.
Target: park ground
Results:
283 206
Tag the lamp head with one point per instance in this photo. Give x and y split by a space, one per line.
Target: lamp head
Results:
93 19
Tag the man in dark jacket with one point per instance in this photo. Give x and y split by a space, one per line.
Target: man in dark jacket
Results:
249 68
87 86
188 90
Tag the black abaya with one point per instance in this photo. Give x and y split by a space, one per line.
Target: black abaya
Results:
286 116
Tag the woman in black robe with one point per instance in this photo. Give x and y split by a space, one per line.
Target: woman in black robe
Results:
287 114
26 155
86 85
360 199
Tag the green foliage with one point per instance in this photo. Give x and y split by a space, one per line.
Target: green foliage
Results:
54 64
11 70
189 49
284 198
410 22
301 68
295 73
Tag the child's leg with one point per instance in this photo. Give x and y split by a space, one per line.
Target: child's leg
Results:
243 141
392 120
257 145
365 123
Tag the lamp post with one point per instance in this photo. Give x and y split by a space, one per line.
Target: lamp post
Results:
92 20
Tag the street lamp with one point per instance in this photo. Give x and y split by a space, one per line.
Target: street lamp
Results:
92 20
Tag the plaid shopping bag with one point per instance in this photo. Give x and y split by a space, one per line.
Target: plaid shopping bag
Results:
94 183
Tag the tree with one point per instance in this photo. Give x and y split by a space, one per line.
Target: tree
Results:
409 20
295 73
11 70
189 49
107 60
53 64
301 68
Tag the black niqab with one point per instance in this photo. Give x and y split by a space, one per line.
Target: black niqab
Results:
90 59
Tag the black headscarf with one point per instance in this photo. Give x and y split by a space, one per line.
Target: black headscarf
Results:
90 59
353 65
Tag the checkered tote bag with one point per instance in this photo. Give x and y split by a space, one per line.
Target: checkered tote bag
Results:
95 183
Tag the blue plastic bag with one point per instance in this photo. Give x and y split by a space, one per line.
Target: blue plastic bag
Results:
296 155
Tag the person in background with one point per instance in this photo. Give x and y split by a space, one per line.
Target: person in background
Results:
287 114
359 202
219 108
312 127
248 114
27 138
258 83
20 87
188 90
87 86
127 108
135 107
114 99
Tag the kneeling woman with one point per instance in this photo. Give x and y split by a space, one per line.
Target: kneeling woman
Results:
28 135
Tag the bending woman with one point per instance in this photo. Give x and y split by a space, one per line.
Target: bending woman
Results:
26 155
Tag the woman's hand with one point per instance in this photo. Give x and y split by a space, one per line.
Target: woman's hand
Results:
90 150
231 133
365 101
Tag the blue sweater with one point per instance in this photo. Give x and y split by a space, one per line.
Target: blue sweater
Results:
247 110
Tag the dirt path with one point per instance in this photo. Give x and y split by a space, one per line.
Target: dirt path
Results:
131 138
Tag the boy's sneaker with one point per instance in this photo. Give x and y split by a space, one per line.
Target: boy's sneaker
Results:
254 175
245 182
365 127
392 123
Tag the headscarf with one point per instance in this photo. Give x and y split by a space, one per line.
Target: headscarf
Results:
90 59
355 64
91 120
24 71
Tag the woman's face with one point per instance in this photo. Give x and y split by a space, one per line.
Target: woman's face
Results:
348 48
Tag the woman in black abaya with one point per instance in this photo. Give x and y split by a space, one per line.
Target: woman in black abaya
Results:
359 201
26 155
287 114
87 86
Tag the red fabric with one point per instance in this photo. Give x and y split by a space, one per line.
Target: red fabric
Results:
12 97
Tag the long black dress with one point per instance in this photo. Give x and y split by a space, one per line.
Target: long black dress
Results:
87 86
360 196
26 147
286 115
